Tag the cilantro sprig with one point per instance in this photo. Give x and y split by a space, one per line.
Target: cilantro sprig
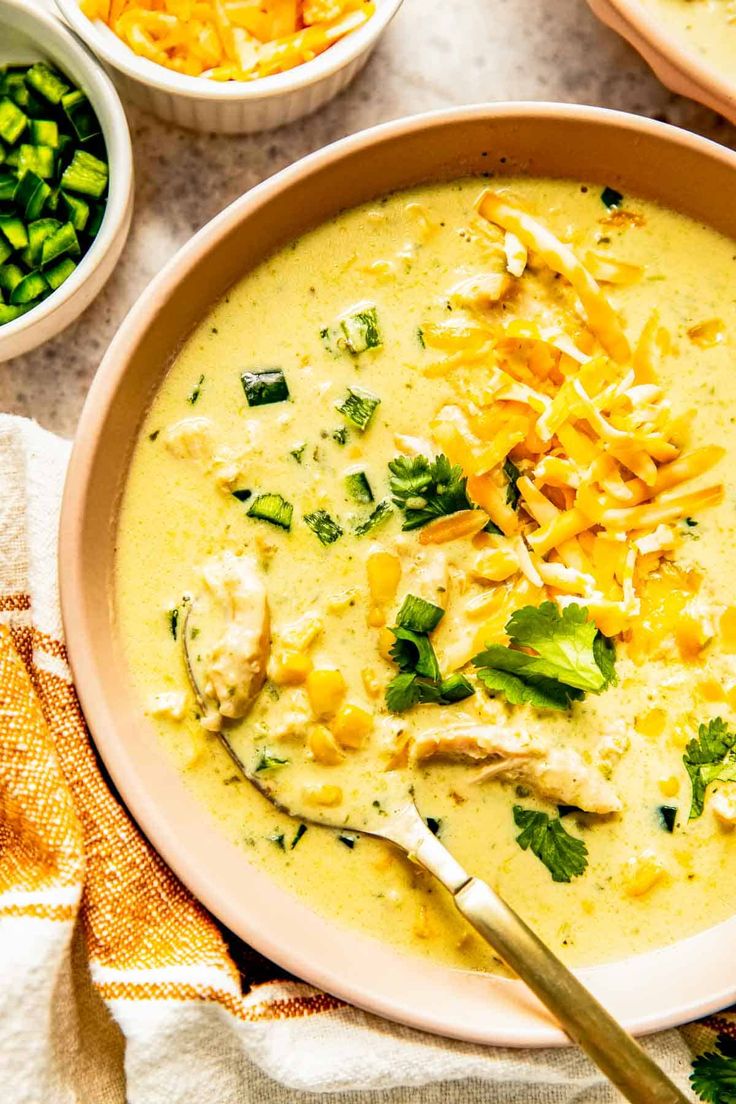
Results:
513 475
427 489
419 679
564 657
714 1073
709 757
564 855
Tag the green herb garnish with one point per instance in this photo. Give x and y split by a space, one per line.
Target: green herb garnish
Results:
426 489
381 513
359 407
173 616
565 856
194 394
714 1073
513 475
708 758
266 761
323 526
571 658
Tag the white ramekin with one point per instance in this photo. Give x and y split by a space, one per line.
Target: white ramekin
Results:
27 34
232 107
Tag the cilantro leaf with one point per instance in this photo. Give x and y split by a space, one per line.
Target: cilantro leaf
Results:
402 692
513 475
565 856
714 1075
426 489
709 757
412 651
570 658
540 692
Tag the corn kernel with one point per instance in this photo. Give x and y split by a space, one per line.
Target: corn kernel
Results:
370 682
495 564
323 746
728 630
711 690
376 617
351 725
289 668
669 785
642 873
385 641
651 723
325 690
384 572
302 633
326 795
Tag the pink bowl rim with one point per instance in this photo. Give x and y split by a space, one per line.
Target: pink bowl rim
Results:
677 983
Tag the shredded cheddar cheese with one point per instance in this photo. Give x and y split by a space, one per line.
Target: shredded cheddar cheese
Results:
605 475
225 40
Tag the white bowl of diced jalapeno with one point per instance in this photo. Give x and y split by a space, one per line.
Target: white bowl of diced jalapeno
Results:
66 177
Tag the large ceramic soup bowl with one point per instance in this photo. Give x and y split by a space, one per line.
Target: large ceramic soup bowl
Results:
597 268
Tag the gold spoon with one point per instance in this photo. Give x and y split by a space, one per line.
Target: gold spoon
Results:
393 816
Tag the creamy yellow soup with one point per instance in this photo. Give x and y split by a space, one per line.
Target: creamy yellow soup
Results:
706 28
607 395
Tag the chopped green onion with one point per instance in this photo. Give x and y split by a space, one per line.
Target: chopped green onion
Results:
173 616
12 121
46 82
6 250
266 761
323 526
298 835
196 391
298 452
8 184
80 114
358 487
360 330
264 388
243 495
349 841
359 407
381 513
95 222
277 838
418 615
340 435
433 824
85 173
272 508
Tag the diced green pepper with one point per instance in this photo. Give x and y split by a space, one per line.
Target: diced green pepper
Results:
75 209
38 232
272 508
46 82
266 387
8 184
14 230
10 313
58 273
361 330
95 219
80 114
30 287
31 194
37 159
12 121
86 174
44 132
63 241
10 276
358 487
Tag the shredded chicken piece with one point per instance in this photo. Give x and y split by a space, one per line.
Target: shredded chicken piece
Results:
555 774
235 667
190 439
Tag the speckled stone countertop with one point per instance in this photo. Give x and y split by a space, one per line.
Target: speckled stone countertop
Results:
436 53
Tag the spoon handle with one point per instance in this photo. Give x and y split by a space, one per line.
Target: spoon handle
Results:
586 1021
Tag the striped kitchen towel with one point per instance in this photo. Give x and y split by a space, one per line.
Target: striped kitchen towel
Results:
115 984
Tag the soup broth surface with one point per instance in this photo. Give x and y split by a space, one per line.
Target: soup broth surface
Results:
418 264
